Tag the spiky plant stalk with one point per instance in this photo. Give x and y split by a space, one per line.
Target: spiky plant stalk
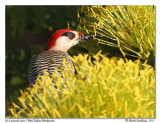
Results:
104 88
130 28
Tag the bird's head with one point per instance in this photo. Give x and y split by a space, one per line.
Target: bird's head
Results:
64 39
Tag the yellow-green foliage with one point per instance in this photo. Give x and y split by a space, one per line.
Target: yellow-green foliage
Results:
104 88
130 28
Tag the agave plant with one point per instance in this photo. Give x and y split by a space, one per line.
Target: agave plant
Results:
129 28
105 88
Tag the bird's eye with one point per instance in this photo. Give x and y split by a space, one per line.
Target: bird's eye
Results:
71 36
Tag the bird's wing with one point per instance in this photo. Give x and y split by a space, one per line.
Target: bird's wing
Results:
47 62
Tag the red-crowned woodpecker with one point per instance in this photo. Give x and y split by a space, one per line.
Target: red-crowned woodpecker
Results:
58 45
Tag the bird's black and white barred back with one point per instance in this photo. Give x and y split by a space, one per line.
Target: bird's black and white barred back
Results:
47 61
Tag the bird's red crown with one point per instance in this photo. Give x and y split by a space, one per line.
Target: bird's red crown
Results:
52 40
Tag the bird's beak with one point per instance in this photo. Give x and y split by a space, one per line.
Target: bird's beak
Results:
84 37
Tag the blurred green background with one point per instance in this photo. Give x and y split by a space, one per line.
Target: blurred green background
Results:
27 31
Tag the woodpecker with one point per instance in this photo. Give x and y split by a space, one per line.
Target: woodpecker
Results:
56 51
